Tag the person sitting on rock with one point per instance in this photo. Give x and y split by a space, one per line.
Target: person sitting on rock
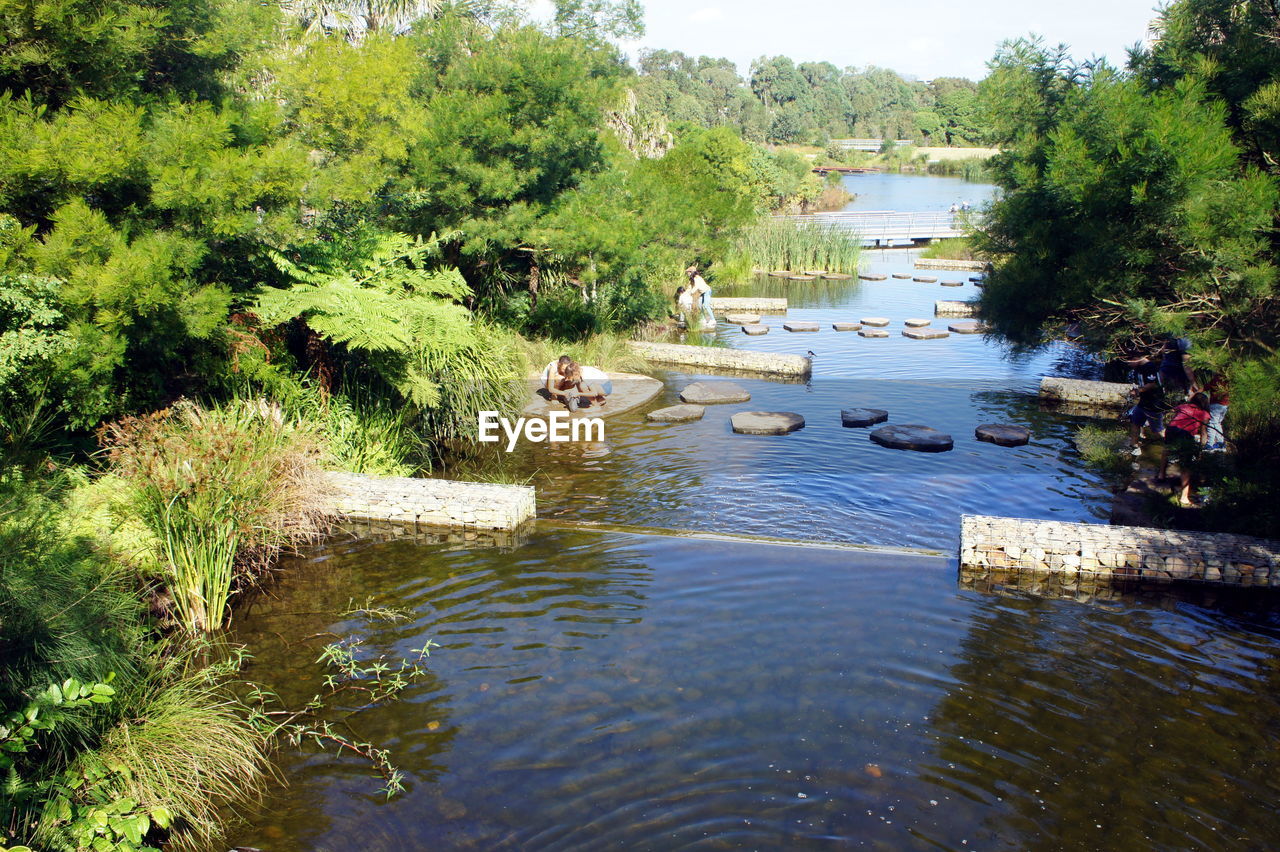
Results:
553 373
1183 438
571 388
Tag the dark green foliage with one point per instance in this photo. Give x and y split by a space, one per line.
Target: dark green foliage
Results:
63 612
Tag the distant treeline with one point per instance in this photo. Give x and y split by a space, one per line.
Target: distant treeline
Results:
809 103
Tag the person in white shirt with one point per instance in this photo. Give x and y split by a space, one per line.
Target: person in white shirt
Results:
702 291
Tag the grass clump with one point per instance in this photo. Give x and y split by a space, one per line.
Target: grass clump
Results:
223 490
1104 448
950 248
606 351
788 244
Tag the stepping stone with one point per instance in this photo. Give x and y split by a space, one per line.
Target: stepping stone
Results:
755 329
779 273
903 275
846 326
677 414
815 272
952 283
800 325
1003 434
975 278
862 416
915 323
979 284
741 319
967 327
801 277
878 322
925 279
913 437
766 422
872 276
836 276
925 333
714 393
872 332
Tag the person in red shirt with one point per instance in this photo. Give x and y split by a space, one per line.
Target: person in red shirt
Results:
1182 439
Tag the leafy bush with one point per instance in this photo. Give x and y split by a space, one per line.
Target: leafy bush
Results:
224 490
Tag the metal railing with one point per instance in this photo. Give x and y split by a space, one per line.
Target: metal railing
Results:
889 227
866 144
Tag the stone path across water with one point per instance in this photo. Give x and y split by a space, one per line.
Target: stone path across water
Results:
714 393
854 417
1003 434
766 422
677 414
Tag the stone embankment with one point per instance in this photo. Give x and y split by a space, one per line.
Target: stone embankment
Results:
430 502
1134 553
743 360
942 263
748 305
1084 393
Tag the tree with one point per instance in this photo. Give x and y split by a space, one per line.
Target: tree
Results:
597 19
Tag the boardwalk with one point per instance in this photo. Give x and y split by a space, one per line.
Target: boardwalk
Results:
883 227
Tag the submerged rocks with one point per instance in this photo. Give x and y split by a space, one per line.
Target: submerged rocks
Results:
714 393
853 417
846 326
925 279
755 329
677 414
800 325
766 422
923 439
1003 434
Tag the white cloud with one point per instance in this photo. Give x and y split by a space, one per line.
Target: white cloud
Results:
707 14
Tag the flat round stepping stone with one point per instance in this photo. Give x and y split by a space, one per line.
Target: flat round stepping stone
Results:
872 332
952 283
815 272
915 323
779 273
836 276
755 329
1003 434
677 414
872 276
800 325
975 278
741 319
766 422
925 279
714 393
925 333
862 416
846 326
967 327
902 275
877 322
913 436
801 277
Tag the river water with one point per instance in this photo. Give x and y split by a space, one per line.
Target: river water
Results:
668 681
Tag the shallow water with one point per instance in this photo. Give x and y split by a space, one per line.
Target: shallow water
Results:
906 193
610 689
827 482
644 692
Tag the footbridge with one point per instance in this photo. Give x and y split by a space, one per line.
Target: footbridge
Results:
886 227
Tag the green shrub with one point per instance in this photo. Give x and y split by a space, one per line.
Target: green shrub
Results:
1103 447
223 490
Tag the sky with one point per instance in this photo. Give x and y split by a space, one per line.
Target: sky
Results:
921 38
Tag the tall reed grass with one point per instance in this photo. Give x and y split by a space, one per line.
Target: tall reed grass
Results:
971 169
223 490
788 244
